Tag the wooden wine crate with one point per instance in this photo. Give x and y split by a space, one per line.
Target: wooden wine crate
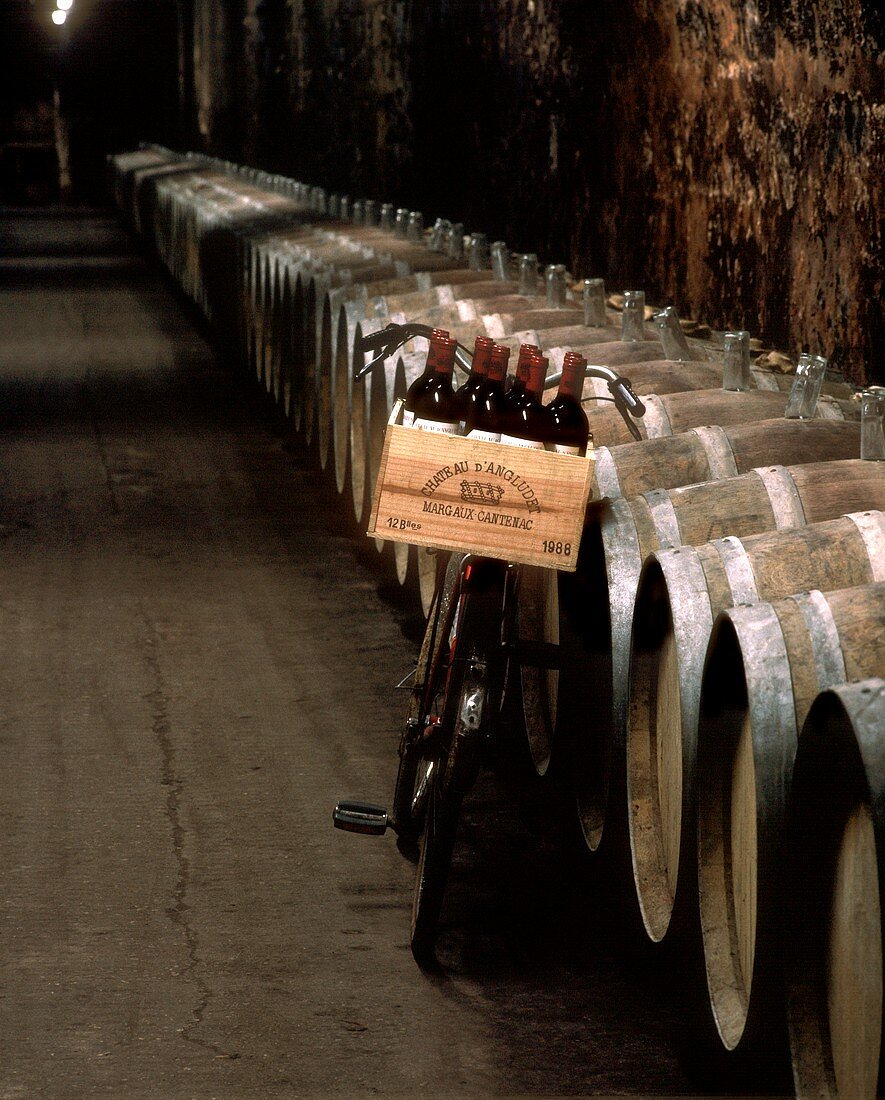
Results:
514 503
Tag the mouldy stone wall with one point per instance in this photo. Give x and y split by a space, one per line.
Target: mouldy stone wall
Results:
725 156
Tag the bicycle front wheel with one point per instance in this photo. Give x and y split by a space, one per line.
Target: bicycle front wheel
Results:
450 778
441 818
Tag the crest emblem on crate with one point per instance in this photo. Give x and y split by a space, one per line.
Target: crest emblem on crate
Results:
481 492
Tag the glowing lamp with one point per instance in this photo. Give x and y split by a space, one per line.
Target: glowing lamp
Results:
58 17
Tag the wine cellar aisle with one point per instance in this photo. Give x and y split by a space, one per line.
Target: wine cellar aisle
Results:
198 661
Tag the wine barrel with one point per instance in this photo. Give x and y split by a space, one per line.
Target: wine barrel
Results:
836 873
538 619
711 452
279 309
296 248
665 376
286 350
680 593
618 536
318 342
671 414
300 262
610 352
658 376
765 665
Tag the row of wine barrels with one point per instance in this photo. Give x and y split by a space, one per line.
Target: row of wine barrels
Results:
597 603
765 666
833 953
700 455
680 593
123 169
296 292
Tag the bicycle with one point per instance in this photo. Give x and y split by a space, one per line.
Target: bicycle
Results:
470 647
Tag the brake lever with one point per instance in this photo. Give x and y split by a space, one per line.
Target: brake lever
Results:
628 420
627 404
622 391
387 341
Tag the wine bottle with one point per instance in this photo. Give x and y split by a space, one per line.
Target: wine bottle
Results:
467 394
408 415
484 414
517 383
526 423
569 429
431 400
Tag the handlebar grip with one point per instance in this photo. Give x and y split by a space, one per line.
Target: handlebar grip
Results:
623 389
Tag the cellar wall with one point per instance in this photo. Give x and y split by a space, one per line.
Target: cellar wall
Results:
725 156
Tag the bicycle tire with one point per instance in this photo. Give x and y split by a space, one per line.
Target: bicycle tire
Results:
407 801
432 874
405 813
450 781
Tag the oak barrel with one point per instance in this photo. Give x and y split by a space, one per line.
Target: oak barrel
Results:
712 452
670 414
836 871
765 665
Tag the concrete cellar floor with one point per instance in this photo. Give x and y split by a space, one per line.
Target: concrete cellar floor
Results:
197 661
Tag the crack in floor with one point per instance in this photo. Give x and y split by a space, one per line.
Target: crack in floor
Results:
178 911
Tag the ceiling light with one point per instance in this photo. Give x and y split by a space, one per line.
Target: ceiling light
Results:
64 5
58 17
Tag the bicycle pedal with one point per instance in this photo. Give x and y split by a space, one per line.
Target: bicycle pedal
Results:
360 817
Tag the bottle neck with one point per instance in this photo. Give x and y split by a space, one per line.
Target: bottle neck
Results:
440 357
572 382
537 372
482 358
520 378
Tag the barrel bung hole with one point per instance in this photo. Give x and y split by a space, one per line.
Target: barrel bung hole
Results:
727 849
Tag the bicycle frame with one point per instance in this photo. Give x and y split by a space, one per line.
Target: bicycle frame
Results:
466 575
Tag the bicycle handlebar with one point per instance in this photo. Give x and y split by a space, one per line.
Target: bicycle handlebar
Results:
389 340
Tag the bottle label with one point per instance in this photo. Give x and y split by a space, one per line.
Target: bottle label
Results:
408 419
565 449
515 441
485 437
441 427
